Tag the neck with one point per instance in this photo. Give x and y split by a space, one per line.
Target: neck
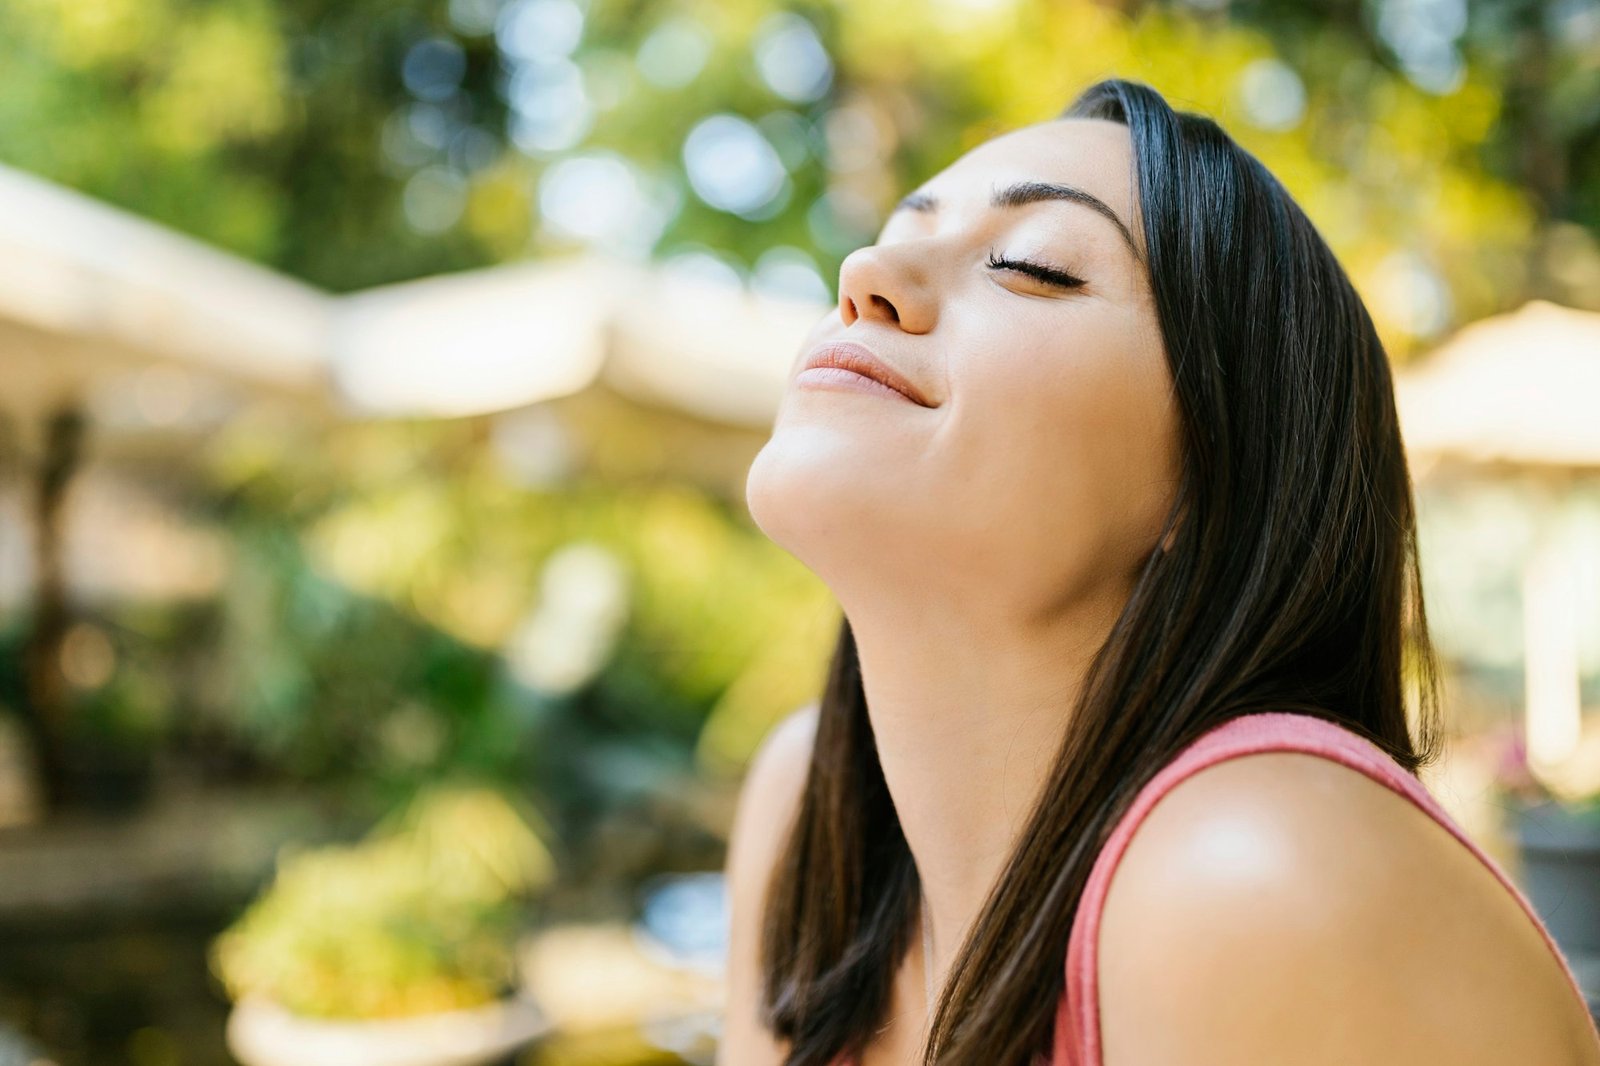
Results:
968 713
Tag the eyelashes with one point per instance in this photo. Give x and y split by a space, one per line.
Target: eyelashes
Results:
1042 271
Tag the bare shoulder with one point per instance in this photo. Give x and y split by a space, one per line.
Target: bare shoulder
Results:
786 749
1282 907
772 785
768 801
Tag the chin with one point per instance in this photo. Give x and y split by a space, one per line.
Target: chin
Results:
803 497
775 492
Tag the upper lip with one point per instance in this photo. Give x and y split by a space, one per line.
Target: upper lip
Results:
857 357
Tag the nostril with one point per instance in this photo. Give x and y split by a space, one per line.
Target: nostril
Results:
849 311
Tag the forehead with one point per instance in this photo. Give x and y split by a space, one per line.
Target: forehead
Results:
1091 154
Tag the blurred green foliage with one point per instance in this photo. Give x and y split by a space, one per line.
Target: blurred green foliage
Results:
382 569
1454 146
422 916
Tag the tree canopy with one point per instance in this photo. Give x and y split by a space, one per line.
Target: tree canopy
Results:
1449 149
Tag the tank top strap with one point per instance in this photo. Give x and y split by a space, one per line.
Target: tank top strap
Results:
1077 1029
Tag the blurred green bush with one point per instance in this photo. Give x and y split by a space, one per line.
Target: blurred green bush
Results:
422 916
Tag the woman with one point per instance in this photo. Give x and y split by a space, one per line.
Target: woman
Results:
1111 492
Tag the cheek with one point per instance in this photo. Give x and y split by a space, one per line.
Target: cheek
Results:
1074 442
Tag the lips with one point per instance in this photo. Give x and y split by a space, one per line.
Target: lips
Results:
859 359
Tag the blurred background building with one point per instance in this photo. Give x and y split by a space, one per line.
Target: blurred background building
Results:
377 385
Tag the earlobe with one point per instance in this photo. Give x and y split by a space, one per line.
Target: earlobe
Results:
1172 537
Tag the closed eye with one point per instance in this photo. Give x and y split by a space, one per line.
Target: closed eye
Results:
1042 271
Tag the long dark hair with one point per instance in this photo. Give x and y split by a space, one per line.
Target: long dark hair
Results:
1292 584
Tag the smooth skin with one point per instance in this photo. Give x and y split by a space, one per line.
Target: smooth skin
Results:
982 548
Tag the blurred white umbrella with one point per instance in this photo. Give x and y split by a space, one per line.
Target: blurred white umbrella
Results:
93 297
1518 396
475 342
1520 388
705 347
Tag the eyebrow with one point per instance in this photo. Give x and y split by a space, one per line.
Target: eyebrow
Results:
1031 192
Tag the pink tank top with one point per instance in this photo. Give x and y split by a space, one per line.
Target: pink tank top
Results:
1077 1032
1077 1029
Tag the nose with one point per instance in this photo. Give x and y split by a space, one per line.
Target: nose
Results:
882 282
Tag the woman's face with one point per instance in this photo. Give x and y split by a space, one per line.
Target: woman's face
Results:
1040 471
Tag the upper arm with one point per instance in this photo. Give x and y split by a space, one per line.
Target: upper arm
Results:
768 802
1280 907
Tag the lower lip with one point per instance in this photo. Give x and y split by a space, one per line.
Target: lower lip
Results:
837 377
